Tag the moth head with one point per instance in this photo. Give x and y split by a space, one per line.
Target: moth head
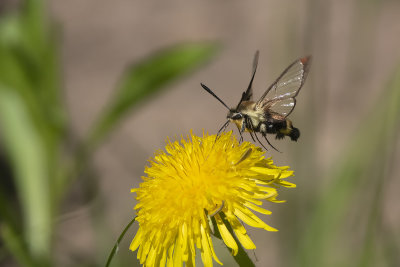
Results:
234 115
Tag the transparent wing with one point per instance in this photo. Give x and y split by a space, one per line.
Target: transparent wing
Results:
248 94
288 84
282 106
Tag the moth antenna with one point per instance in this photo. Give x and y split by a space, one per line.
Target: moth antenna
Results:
214 95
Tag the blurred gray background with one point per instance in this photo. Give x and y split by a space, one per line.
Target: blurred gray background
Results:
355 48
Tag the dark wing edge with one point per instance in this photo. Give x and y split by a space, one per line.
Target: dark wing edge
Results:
306 63
247 95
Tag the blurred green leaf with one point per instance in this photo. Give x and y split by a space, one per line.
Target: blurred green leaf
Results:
35 21
27 153
14 243
148 77
368 149
30 65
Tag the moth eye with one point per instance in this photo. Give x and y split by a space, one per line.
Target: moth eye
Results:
237 116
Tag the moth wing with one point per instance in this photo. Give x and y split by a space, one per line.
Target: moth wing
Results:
248 94
286 87
281 106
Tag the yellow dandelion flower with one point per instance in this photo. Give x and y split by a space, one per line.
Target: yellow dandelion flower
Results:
196 178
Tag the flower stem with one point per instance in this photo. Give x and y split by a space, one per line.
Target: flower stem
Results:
241 258
114 249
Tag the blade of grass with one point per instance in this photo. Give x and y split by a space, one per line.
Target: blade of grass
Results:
30 65
28 158
30 62
121 236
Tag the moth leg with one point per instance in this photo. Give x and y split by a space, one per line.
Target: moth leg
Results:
265 137
263 130
242 130
255 134
252 128
222 129
262 143
252 137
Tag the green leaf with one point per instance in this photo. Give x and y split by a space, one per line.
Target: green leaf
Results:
29 50
14 243
27 153
148 77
